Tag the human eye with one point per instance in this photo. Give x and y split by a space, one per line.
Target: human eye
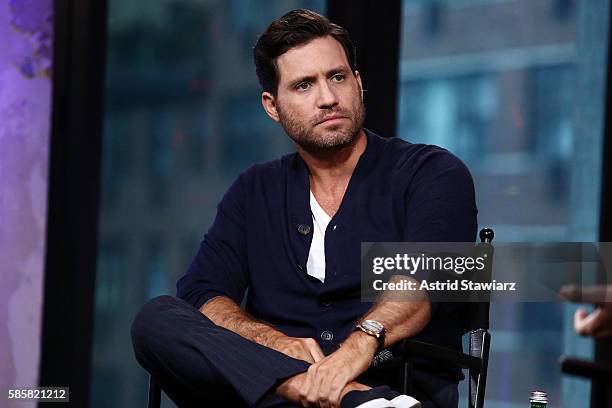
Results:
338 78
302 86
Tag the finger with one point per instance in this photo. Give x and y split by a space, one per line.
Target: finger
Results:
602 323
585 325
314 394
597 293
323 382
334 394
310 386
316 352
319 389
305 353
307 356
570 292
579 316
324 392
337 386
587 294
303 390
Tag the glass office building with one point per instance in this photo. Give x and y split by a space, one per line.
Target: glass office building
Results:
516 90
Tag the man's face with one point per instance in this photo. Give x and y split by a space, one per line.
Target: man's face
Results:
319 99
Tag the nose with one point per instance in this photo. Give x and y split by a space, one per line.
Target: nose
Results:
327 98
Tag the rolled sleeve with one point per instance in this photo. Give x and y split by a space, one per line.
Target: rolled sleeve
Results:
220 268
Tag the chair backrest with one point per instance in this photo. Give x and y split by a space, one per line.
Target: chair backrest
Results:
477 316
477 325
480 341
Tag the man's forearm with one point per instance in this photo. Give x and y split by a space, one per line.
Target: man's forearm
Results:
402 318
224 312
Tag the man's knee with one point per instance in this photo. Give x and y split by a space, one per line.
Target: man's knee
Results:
164 317
153 320
165 345
163 303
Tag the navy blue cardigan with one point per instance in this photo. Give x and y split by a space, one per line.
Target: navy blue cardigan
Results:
399 191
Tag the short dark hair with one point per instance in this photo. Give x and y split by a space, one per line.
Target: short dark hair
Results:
295 28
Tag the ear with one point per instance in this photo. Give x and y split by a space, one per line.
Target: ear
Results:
268 101
358 78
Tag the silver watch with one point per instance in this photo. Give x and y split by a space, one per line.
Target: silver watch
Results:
374 328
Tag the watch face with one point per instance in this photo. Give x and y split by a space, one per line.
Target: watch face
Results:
373 325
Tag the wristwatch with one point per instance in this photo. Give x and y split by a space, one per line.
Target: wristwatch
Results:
373 328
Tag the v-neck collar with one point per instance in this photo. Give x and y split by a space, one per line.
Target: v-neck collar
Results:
317 210
299 182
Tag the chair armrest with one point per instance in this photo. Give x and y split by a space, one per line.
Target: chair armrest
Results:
588 369
433 352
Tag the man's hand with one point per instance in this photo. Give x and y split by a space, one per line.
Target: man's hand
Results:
298 347
597 324
290 388
326 379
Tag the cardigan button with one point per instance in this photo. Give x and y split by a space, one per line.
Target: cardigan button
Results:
304 229
327 335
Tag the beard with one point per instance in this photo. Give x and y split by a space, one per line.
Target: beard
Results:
315 138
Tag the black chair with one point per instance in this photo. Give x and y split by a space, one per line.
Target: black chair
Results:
476 325
594 371
476 361
598 372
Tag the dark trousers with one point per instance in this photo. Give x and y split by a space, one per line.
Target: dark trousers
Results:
199 364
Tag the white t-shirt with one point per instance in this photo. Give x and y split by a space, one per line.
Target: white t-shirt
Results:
315 266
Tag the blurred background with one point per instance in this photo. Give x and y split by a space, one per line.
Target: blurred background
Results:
515 88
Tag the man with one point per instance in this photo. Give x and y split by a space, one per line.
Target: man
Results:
290 231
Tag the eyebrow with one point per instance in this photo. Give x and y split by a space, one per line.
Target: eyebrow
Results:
341 69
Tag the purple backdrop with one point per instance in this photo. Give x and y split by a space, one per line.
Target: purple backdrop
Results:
25 109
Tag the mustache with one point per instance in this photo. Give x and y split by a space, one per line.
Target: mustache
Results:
328 112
